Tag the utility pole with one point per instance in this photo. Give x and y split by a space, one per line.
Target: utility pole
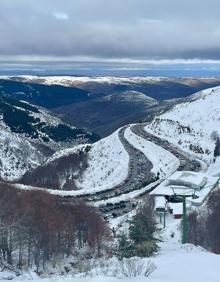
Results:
164 219
164 216
184 223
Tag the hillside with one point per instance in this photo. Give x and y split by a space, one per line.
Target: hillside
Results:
194 126
38 124
29 135
104 164
18 155
128 154
85 167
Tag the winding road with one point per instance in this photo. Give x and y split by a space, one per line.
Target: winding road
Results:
139 174
186 163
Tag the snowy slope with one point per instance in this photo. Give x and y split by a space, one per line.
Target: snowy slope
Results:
29 135
107 164
38 124
17 155
191 125
101 166
174 263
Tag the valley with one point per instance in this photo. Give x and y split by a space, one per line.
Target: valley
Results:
103 104
174 152
116 171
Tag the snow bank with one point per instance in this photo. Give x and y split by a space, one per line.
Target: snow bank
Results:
128 196
214 168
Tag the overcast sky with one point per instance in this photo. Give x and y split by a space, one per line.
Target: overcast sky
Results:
110 30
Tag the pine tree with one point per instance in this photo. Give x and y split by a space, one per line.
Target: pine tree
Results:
141 232
140 240
217 148
141 229
125 248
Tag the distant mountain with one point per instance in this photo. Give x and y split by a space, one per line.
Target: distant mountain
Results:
48 96
29 135
159 88
107 113
103 104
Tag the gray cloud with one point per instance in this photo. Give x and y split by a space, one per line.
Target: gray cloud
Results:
133 29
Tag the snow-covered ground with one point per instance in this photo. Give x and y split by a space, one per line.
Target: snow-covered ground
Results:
214 168
107 164
163 161
174 263
191 125
17 155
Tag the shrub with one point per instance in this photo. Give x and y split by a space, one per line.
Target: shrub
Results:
134 267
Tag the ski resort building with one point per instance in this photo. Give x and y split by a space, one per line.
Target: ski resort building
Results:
184 183
188 179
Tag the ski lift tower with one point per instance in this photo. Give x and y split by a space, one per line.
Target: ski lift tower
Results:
181 198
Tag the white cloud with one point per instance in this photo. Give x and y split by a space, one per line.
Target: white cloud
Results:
61 16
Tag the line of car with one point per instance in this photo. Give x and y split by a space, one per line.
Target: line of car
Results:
185 162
